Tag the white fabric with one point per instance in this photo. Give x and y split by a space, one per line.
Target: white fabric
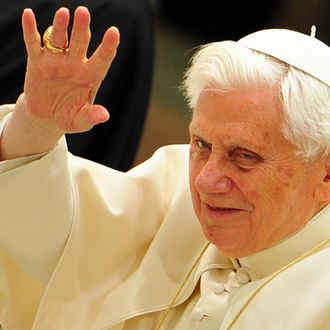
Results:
297 49
5 111
89 248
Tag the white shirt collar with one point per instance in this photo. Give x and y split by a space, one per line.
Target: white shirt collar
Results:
266 262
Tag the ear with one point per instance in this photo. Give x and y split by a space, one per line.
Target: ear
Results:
326 178
323 189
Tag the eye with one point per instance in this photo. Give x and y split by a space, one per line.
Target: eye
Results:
201 144
245 155
245 158
199 149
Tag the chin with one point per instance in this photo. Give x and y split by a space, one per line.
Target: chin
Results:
228 244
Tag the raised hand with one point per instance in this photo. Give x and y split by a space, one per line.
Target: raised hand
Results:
59 87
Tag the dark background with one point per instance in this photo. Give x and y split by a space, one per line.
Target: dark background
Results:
232 19
182 25
156 45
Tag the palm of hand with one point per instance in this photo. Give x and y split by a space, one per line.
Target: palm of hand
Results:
60 88
57 90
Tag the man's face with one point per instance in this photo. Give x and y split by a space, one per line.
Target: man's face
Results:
249 190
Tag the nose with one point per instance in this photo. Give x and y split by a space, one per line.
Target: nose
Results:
212 179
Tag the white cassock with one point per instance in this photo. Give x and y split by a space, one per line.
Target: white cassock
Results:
84 247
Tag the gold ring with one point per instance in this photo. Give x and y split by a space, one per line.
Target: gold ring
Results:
49 46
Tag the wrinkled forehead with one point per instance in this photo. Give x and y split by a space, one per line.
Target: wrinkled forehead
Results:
249 117
297 49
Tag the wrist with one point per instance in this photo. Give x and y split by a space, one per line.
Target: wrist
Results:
24 135
40 128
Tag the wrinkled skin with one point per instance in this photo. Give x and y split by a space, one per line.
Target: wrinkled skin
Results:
59 88
249 189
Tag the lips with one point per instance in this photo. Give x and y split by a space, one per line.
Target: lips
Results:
221 212
223 209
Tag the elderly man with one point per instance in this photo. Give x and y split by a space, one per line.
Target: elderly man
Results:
86 247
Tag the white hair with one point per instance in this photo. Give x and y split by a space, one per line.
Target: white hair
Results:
306 100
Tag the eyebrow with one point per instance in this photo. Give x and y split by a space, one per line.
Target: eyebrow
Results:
248 144
193 129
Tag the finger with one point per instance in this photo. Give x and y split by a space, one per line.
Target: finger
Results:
59 36
102 58
30 34
80 35
89 116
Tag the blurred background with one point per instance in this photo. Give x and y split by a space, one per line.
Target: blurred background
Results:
182 25
158 38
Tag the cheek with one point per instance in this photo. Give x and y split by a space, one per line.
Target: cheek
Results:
273 184
193 173
264 190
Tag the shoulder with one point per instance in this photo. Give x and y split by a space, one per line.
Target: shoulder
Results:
296 297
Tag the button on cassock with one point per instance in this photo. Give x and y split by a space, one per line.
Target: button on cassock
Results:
198 314
219 288
242 276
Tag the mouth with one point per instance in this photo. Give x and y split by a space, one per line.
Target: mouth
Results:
219 208
221 211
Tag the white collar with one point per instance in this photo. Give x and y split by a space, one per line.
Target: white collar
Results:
266 262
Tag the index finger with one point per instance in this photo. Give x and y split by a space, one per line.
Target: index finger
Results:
30 33
106 51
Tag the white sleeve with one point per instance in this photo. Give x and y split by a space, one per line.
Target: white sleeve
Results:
36 209
5 112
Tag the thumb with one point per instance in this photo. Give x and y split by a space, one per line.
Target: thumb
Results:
89 116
